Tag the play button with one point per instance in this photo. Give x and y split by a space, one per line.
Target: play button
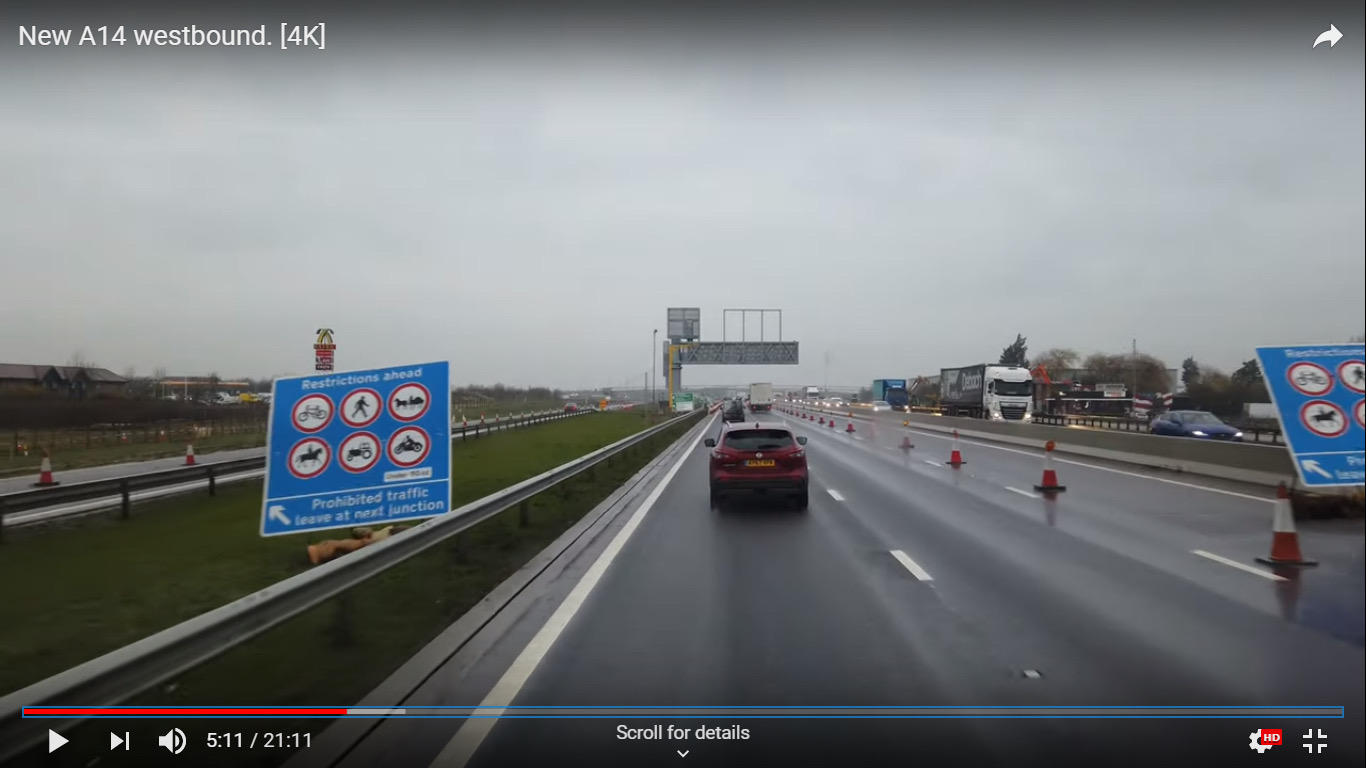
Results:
54 741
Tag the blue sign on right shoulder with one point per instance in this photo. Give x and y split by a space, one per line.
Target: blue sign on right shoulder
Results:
1318 393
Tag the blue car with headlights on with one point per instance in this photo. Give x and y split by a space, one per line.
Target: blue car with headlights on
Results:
1202 425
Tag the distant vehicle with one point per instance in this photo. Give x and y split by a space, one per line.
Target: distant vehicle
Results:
761 459
761 397
881 405
571 407
734 410
1199 424
835 402
996 392
812 393
893 392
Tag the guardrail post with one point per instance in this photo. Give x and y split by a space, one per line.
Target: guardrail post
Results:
213 483
2 520
343 627
458 548
523 514
127 506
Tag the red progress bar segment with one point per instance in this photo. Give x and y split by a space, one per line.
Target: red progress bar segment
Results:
179 711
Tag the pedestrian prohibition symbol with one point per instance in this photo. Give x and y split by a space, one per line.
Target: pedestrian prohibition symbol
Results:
358 448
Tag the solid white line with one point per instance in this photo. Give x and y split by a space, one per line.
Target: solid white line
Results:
834 494
1023 493
911 565
462 746
1238 565
1097 466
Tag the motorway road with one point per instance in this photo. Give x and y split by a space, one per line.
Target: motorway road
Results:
111 471
993 597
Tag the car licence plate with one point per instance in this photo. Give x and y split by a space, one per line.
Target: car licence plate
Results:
760 463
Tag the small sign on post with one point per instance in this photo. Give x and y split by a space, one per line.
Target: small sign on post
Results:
324 351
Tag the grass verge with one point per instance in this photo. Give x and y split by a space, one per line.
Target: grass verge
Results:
107 582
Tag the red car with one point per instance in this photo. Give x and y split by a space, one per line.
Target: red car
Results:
758 458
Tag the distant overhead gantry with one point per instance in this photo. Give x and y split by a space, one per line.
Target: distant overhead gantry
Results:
683 344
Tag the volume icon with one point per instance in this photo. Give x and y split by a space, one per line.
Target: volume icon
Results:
173 740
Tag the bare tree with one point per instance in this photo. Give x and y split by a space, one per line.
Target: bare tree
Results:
78 360
1057 360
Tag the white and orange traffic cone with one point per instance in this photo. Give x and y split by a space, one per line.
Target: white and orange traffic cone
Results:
850 429
1050 475
832 423
956 455
189 454
45 473
822 421
1285 541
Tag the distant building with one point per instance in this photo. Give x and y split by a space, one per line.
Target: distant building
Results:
75 381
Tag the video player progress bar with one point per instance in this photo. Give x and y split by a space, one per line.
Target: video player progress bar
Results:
677 713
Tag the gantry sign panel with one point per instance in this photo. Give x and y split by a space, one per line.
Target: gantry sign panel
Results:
684 324
738 353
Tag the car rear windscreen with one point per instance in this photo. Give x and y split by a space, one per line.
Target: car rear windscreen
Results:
758 439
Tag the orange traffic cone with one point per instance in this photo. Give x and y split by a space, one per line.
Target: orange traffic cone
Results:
1050 476
822 421
1285 541
850 428
45 473
956 456
189 454
832 423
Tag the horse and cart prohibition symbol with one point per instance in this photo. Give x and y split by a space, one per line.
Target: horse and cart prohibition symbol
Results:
409 402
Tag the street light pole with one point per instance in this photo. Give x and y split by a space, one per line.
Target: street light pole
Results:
654 347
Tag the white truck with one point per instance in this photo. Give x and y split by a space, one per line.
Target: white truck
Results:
996 392
761 397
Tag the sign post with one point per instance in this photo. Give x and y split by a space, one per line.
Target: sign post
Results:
324 351
1317 390
359 448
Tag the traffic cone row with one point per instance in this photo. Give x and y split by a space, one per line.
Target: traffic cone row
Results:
45 472
1285 540
1050 475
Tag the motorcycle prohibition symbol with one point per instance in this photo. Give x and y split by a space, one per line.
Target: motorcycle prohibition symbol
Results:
408 445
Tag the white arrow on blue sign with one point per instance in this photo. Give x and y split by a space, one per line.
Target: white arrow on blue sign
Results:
358 448
1317 390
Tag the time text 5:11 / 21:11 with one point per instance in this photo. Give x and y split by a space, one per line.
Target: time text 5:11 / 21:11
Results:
258 740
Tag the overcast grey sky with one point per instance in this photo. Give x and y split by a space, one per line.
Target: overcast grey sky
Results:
529 207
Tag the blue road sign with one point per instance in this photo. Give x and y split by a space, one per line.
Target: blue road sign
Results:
1317 390
360 448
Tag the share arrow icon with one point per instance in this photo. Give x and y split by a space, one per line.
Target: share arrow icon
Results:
1332 36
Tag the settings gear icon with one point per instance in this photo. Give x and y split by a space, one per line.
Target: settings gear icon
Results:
1255 739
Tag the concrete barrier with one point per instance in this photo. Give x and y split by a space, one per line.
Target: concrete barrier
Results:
1243 462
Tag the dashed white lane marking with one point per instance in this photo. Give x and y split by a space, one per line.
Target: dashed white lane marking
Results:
1235 564
911 565
933 463
1032 674
472 733
1023 493
834 494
